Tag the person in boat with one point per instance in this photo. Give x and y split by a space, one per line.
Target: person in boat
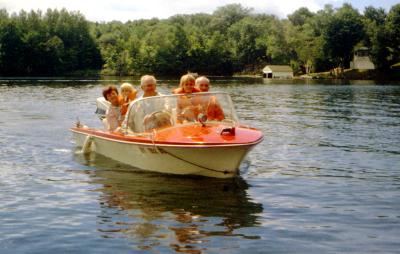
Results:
186 85
190 108
128 94
158 118
148 84
213 109
202 83
187 109
113 114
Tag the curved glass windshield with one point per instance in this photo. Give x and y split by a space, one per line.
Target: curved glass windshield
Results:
168 110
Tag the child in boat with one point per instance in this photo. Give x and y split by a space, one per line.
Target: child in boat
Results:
113 114
128 94
187 109
186 85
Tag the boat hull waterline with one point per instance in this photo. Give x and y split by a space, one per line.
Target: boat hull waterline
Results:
221 160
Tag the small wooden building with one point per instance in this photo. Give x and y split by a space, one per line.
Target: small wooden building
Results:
361 60
278 71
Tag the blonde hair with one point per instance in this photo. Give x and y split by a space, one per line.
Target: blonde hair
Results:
127 86
186 78
147 79
202 78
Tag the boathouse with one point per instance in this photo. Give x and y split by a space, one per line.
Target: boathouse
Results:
361 60
278 71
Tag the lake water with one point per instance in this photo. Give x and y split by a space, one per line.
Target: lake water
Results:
326 179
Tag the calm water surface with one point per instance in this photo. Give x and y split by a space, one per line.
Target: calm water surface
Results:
326 179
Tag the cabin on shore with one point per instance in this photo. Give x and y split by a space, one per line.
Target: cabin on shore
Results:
361 60
278 71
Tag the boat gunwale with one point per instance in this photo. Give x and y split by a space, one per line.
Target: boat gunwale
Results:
120 138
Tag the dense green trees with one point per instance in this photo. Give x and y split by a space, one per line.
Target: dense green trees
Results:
393 32
232 39
343 31
46 44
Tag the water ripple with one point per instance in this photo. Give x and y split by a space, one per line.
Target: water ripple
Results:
324 180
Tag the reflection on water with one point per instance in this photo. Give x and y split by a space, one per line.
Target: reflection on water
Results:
154 209
325 179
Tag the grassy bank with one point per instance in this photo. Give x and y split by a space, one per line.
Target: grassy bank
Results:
351 74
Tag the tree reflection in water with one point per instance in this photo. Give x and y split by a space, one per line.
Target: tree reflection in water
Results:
155 210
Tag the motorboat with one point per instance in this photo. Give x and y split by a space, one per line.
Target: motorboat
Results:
101 107
185 134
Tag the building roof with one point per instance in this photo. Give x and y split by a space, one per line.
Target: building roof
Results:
278 68
395 66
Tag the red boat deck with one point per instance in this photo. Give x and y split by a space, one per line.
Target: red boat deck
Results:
186 135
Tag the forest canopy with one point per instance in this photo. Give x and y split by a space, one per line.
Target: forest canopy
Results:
233 39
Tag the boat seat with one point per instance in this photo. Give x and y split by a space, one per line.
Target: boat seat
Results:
157 120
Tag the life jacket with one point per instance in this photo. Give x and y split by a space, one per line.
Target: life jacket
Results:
125 103
179 90
214 110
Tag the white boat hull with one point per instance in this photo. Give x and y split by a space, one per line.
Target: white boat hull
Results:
212 161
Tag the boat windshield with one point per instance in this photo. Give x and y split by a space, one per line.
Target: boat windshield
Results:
164 111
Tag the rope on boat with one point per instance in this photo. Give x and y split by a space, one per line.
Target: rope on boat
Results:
87 144
154 132
194 164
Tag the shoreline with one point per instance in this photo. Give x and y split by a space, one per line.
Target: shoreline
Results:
349 75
